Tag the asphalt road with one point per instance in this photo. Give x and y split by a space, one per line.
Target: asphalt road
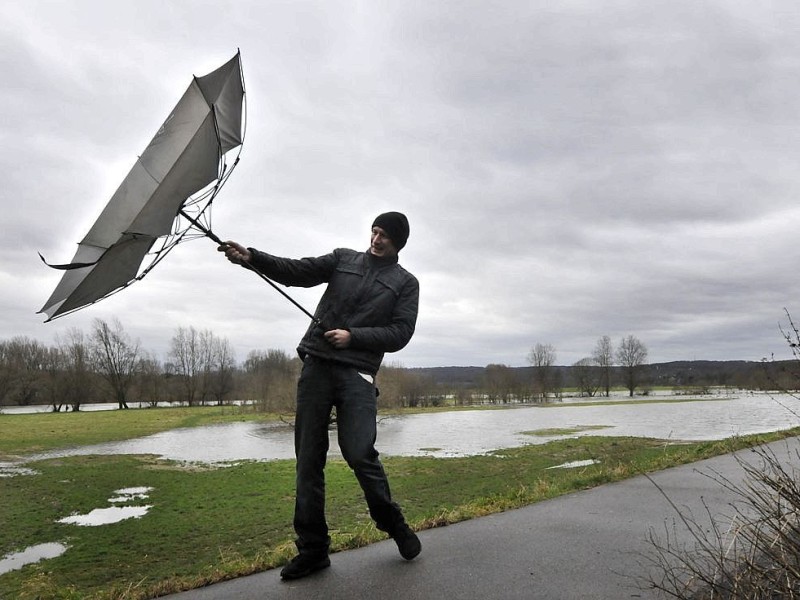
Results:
588 544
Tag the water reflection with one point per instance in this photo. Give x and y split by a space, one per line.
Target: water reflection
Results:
12 470
130 494
466 433
96 517
106 516
574 464
30 555
114 514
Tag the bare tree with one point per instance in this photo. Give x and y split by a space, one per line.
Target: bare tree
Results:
542 358
7 371
401 387
603 356
56 378
588 376
187 360
151 386
271 379
222 368
791 333
206 364
632 356
22 370
499 382
116 357
78 385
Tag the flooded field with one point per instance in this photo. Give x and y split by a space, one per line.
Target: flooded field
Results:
443 434
472 432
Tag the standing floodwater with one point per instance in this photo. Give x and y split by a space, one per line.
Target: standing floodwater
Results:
472 432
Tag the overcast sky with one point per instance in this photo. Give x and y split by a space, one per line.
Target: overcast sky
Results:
570 169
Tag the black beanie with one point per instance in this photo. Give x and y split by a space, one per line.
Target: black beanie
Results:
396 227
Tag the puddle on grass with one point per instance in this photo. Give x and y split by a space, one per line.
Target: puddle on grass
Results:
130 494
575 464
98 516
106 516
114 514
12 470
32 554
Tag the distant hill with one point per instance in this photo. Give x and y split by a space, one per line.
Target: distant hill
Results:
683 372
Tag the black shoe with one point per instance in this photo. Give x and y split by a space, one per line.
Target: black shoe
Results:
305 564
407 542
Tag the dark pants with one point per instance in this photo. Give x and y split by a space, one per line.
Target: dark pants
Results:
323 385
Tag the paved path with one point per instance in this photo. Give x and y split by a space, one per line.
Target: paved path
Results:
585 545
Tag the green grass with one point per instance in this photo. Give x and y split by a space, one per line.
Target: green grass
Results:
211 524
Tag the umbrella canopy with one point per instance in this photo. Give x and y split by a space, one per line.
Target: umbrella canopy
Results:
185 157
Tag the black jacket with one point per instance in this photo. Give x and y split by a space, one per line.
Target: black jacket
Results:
374 298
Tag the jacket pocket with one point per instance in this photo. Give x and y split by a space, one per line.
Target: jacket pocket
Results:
391 283
349 269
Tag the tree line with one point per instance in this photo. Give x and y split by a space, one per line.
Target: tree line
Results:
545 381
592 373
608 367
107 365
200 368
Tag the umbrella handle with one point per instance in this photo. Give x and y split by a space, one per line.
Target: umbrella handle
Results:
210 234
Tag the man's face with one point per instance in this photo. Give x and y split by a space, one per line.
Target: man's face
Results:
380 244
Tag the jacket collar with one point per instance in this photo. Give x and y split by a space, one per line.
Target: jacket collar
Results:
380 261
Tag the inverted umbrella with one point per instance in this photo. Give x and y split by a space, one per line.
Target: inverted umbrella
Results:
167 192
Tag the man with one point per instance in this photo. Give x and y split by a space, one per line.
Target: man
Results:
369 307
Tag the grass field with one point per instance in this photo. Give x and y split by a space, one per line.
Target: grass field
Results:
211 524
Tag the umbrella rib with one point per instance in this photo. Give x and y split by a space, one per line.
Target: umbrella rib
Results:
226 114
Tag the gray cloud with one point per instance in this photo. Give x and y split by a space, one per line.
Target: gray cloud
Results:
570 170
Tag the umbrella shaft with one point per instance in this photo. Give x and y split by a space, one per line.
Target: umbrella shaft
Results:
210 234
200 226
